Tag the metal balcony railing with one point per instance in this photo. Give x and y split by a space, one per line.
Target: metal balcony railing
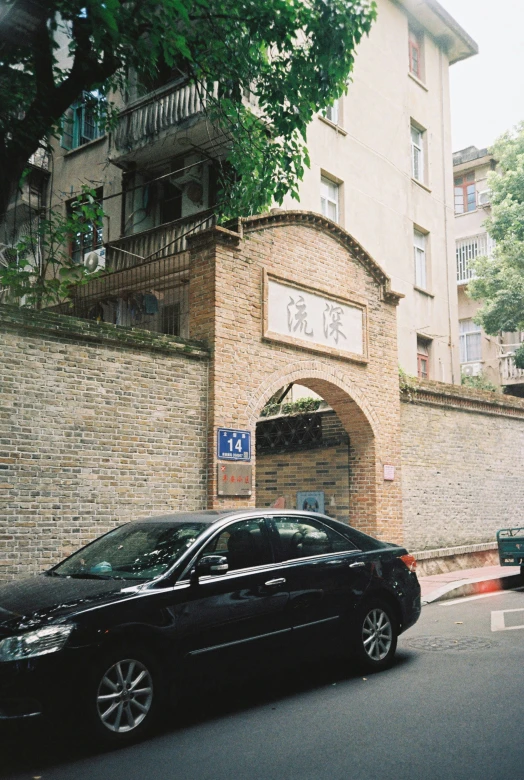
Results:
508 370
156 243
467 249
158 111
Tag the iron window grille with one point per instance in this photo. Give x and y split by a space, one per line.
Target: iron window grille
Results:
283 434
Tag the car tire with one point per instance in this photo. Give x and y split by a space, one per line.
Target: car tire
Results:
375 634
125 695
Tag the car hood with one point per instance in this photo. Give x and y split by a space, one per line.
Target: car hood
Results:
31 602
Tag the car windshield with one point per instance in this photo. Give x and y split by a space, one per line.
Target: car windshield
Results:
134 551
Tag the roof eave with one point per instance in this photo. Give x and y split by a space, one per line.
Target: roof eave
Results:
443 27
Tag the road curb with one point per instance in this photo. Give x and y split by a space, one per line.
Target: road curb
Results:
473 587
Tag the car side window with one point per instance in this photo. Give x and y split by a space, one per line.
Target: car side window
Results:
302 537
244 544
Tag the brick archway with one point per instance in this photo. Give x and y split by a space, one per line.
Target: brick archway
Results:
357 418
231 274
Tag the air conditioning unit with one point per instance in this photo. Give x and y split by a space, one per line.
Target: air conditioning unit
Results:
190 170
95 260
471 369
484 198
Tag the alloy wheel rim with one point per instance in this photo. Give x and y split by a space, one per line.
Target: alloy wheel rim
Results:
377 634
124 696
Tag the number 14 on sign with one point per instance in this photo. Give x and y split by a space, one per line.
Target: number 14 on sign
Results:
233 444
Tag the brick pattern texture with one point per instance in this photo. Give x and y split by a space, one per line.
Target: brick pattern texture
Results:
462 465
226 313
92 434
323 468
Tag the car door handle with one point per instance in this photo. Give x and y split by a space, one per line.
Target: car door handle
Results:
356 565
274 583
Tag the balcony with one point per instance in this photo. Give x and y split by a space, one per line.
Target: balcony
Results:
177 111
509 373
157 243
467 250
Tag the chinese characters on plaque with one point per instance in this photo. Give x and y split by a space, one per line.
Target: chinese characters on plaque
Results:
314 318
234 479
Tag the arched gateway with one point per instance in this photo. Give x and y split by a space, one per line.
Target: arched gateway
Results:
290 297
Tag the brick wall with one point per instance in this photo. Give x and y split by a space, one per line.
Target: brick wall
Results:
462 465
98 426
227 312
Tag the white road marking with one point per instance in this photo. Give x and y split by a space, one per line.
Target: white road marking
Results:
497 620
480 596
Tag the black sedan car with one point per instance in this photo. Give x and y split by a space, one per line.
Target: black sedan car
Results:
114 628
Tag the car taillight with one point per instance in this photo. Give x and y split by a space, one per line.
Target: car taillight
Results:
410 561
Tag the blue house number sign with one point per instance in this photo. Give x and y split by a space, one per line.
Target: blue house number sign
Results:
233 445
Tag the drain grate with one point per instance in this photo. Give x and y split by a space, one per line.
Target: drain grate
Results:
458 643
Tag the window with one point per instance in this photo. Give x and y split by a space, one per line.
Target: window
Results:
89 235
302 537
329 199
416 41
244 544
419 246
465 195
470 341
331 112
84 121
417 153
423 349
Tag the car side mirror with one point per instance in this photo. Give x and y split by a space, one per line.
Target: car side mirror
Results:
210 564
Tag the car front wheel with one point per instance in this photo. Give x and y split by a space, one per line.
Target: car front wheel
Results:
125 696
376 635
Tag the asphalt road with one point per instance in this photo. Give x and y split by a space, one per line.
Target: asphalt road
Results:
451 708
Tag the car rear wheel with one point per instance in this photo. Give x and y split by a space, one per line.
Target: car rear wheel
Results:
125 695
376 635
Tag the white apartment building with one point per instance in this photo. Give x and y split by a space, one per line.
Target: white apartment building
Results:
490 357
380 167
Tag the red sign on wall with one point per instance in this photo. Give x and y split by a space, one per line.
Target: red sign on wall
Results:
234 479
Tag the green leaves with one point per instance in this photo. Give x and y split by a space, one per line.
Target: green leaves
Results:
39 271
295 57
499 281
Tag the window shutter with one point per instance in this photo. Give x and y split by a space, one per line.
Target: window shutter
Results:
66 139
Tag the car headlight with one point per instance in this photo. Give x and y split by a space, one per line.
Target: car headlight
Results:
47 639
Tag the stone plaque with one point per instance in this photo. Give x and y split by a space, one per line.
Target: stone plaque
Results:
234 479
297 315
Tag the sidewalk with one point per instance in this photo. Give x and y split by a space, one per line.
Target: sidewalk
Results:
469 582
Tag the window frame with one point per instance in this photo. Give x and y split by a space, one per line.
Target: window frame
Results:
76 118
96 232
423 357
267 536
415 44
303 520
465 338
418 156
461 184
422 366
420 268
327 182
332 113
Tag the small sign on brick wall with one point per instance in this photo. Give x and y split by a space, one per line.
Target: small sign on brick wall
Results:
234 479
389 472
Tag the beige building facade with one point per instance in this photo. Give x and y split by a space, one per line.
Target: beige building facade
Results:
481 355
380 168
